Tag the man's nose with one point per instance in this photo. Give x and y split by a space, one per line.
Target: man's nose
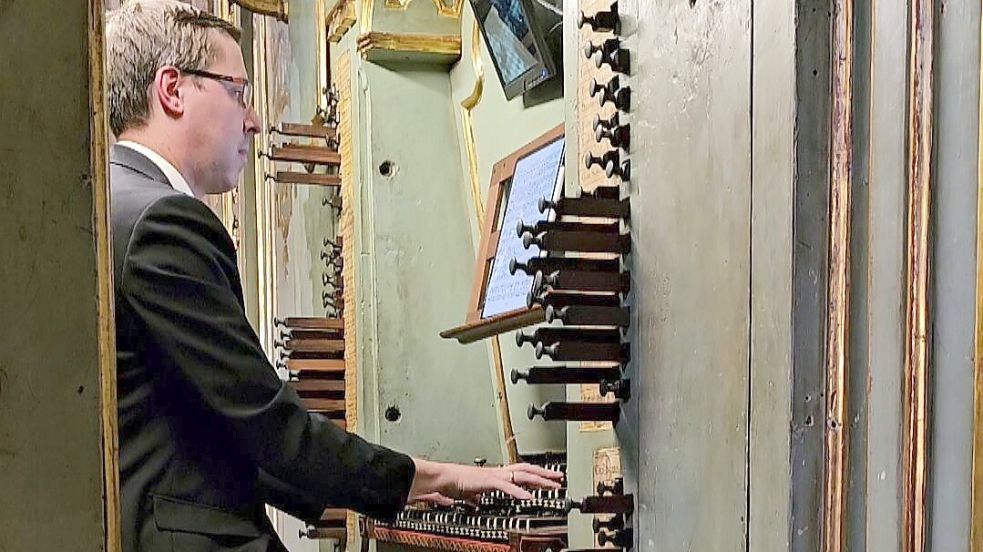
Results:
252 121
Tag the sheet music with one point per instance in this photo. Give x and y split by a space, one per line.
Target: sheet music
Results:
537 175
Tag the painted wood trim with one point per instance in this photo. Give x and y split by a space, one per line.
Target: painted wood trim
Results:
976 512
99 159
915 419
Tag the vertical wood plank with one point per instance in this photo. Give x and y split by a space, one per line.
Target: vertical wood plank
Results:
836 452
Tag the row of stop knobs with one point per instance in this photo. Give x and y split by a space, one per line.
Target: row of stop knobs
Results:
609 50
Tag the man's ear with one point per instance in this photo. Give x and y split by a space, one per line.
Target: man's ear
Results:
167 92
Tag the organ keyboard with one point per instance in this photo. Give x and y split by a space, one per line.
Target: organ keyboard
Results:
494 522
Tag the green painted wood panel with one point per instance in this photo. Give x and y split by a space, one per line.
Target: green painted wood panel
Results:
51 449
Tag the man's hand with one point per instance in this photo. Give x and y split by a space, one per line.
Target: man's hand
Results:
440 483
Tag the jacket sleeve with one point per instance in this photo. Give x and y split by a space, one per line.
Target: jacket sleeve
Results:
287 498
180 278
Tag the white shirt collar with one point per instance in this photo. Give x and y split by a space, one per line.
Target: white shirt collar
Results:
173 175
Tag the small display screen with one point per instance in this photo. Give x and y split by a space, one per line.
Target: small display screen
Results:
508 36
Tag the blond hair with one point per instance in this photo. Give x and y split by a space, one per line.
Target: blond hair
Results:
141 37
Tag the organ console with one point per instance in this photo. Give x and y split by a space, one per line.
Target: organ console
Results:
494 522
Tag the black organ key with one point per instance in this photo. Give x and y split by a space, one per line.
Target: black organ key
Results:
576 412
566 375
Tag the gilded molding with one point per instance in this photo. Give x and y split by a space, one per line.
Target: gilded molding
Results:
836 450
444 9
436 45
915 422
341 18
274 8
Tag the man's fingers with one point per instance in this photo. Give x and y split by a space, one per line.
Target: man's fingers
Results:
513 490
434 498
537 470
527 479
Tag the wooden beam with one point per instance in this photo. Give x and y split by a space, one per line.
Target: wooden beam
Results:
915 421
836 451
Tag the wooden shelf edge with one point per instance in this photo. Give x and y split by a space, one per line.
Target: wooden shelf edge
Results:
488 327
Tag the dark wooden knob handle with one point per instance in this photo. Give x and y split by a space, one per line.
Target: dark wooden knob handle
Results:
615 486
619 136
613 122
548 350
620 388
522 338
618 60
622 171
523 228
553 313
602 21
621 538
528 240
517 375
614 524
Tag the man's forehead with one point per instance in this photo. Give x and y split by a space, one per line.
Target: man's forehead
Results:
228 54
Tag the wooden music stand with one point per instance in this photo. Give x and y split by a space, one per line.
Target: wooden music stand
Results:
476 327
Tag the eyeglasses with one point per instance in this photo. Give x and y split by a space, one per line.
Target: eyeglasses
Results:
242 92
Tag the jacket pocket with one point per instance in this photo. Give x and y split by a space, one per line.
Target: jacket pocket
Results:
172 514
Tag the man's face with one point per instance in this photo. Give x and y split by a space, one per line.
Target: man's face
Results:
220 127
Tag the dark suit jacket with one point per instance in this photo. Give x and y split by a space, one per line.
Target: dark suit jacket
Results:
208 432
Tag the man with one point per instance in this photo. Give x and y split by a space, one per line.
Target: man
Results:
208 433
